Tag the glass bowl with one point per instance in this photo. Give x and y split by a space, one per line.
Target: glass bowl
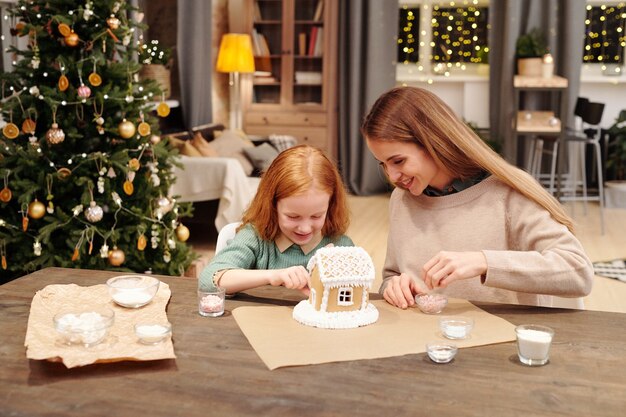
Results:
431 303
87 326
441 352
133 291
456 327
153 333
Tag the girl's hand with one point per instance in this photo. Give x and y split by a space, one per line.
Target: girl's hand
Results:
447 267
401 289
295 277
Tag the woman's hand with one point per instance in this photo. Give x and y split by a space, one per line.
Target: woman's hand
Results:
446 267
295 277
401 289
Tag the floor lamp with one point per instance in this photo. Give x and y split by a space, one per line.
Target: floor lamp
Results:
235 56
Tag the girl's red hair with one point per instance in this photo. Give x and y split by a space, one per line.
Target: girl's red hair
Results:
294 172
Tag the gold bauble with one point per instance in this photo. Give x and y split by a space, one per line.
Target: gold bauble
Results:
182 232
134 164
126 129
71 39
36 210
54 135
116 256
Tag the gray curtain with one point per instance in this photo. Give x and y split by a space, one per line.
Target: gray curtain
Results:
367 59
194 60
563 24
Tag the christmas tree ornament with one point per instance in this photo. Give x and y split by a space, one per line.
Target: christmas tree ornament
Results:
64 29
64 173
95 79
167 257
24 213
154 139
116 256
134 164
5 194
141 242
55 135
163 109
163 205
37 248
111 173
94 212
113 22
72 39
36 210
76 254
10 130
128 187
182 232
49 197
34 91
104 250
83 91
29 126
3 254
144 129
63 83
126 129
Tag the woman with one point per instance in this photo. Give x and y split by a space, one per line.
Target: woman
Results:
462 220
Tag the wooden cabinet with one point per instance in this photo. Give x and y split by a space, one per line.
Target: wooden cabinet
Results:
293 91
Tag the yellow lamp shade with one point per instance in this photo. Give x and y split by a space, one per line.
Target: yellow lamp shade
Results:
235 54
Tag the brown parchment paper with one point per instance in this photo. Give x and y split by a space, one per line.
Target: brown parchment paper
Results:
43 342
280 341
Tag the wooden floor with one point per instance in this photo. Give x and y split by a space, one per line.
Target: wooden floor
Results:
369 226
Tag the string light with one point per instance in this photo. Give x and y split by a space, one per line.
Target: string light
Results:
605 36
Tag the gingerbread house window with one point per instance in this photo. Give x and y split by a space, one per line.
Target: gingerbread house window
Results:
344 296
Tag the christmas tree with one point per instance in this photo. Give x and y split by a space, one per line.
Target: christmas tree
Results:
84 176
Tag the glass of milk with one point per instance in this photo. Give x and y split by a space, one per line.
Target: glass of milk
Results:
533 344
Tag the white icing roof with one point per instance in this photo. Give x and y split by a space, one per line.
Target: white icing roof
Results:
343 266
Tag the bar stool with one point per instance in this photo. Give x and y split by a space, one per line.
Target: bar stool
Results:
577 140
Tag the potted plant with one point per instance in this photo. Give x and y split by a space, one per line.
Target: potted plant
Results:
156 62
529 50
482 56
616 163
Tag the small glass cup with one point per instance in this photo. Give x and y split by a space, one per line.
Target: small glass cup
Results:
211 303
533 344
441 352
456 327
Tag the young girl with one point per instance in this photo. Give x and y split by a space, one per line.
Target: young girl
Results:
462 219
300 206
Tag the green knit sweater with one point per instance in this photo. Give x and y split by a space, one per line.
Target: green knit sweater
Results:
248 251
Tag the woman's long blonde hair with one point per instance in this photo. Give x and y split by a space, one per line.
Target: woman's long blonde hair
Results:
294 172
410 114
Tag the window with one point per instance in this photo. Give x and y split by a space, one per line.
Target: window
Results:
605 35
437 35
344 297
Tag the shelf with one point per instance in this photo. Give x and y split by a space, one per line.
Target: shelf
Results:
524 82
538 122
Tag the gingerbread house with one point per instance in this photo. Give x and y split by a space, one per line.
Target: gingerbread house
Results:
339 297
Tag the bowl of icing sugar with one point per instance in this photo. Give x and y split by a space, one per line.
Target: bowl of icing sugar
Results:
132 291
86 326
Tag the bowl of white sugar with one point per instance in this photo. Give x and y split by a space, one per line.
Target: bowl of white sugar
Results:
86 326
153 333
133 291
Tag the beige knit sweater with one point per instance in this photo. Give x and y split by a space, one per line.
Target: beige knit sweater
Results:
528 252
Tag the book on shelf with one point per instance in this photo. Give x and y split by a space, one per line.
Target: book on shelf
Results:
312 40
257 12
260 44
319 43
308 77
264 80
302 43
319 9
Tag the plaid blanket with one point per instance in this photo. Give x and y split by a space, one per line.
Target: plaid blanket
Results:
612 269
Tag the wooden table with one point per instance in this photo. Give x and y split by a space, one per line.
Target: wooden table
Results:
217 373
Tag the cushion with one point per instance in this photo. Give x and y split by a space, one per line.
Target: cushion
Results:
184 146
261 156
208 131
282 142
202 145
230 145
